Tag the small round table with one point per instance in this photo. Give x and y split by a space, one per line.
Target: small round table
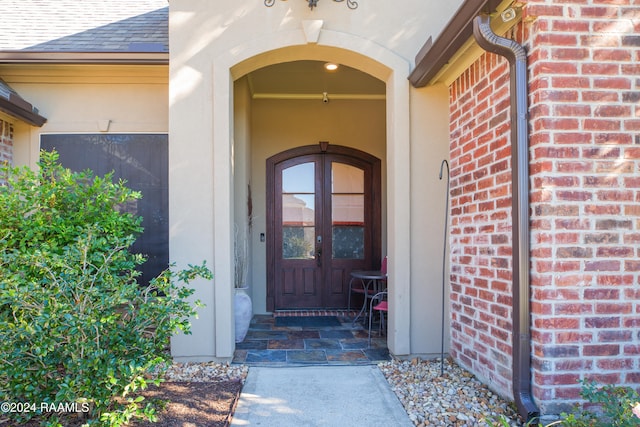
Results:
371 284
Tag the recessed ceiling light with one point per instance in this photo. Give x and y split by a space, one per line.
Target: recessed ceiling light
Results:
330 66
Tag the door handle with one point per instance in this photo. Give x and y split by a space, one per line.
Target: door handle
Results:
319 251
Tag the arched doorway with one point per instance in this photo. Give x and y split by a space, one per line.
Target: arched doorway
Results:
324 220
207 141
355 53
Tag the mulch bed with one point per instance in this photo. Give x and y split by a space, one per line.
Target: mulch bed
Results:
198 404
192 404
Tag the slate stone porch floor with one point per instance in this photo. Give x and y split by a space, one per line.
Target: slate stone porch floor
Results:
270 345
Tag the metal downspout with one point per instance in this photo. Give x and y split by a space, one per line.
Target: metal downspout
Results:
521 359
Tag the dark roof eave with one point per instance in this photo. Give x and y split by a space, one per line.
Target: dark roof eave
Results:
44 57
434 55
17 109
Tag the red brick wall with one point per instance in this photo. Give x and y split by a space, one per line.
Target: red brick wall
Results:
480 222
6 142
585 203
585 200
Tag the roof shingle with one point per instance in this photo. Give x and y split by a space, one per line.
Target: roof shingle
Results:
84 25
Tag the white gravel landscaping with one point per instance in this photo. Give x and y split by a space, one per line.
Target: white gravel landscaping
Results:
455 399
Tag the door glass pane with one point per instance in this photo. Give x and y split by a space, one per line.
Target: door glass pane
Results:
298 211
299 179
347 211
346 179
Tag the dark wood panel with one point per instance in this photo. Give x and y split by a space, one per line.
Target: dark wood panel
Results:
309 282
288 281
141 160
338 281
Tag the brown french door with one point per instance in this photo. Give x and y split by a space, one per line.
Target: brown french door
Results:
324 221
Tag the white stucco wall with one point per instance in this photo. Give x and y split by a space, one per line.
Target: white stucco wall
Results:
76 98
401 27
213 44
429 147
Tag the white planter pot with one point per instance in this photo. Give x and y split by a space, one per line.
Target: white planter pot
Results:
243 313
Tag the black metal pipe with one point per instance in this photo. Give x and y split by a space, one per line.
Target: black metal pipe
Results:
521 358
444 263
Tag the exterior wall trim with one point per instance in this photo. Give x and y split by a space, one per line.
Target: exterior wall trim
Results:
45 57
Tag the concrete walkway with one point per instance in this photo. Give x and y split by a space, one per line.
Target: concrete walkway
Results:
318 396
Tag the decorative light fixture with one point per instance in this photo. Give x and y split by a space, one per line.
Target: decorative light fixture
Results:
330 66
351 4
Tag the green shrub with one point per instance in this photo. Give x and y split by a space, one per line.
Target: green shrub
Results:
77 329
615 407
503 421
